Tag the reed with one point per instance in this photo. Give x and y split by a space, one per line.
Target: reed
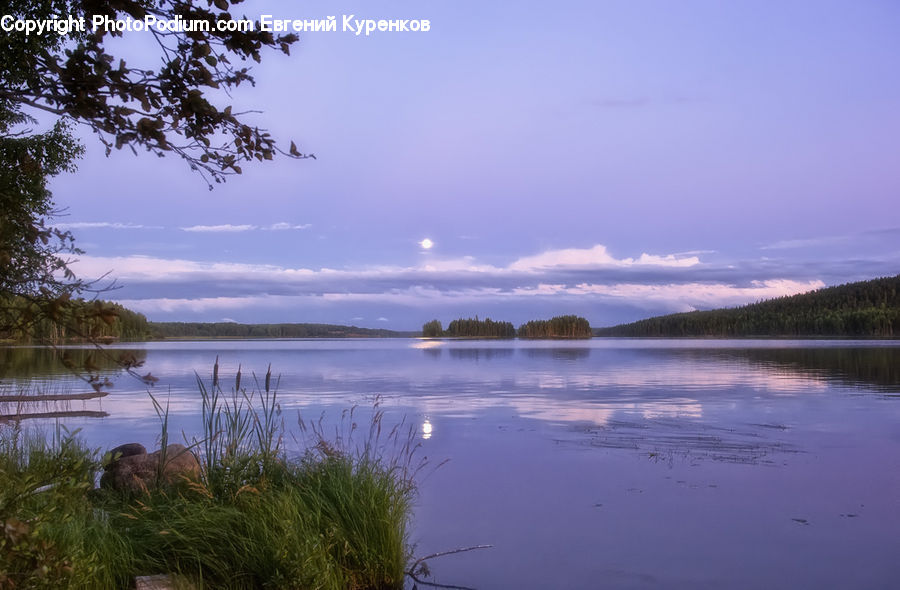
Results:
333 516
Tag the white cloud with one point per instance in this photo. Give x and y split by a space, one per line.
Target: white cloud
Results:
692 295
285 226
104 224
177 285
674 297
598 256
150 268
227 227
154 268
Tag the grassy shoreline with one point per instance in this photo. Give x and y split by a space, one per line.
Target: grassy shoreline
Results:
334 516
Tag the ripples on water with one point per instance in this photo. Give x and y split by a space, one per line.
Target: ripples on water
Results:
606 463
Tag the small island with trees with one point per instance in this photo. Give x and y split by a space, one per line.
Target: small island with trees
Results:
560 327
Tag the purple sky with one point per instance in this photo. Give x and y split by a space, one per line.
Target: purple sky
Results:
611 159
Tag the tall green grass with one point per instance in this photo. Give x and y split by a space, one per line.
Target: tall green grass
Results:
334 516
50 538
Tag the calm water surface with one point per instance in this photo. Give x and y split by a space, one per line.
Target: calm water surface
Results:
600 464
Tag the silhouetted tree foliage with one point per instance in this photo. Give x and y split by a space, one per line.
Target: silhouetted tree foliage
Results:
866 309
34 257
433 329
566 326
475 328
174 100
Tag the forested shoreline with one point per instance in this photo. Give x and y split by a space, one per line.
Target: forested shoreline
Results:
164 330
73 320
865 309
104 321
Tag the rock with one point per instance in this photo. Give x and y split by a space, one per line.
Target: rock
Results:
137 472
128 449
160 582
180 463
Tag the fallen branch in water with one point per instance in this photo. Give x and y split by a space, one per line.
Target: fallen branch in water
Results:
53 397
62 414
436 585
420 568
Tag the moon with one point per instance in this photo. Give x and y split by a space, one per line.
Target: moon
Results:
426 244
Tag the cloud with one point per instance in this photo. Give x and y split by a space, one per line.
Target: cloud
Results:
806 243
834 240
598 256
687 296
567 279
284 226
670 297
227 227
193 305
104 224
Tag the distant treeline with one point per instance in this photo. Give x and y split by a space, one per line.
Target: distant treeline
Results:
103 321
233 330
72 320
866 309
568 326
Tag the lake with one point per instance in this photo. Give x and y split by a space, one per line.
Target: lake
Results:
609 463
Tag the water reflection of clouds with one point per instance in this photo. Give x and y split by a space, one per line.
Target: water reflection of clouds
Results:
672 408
549 382
696 375
703 377
558 411
583 396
